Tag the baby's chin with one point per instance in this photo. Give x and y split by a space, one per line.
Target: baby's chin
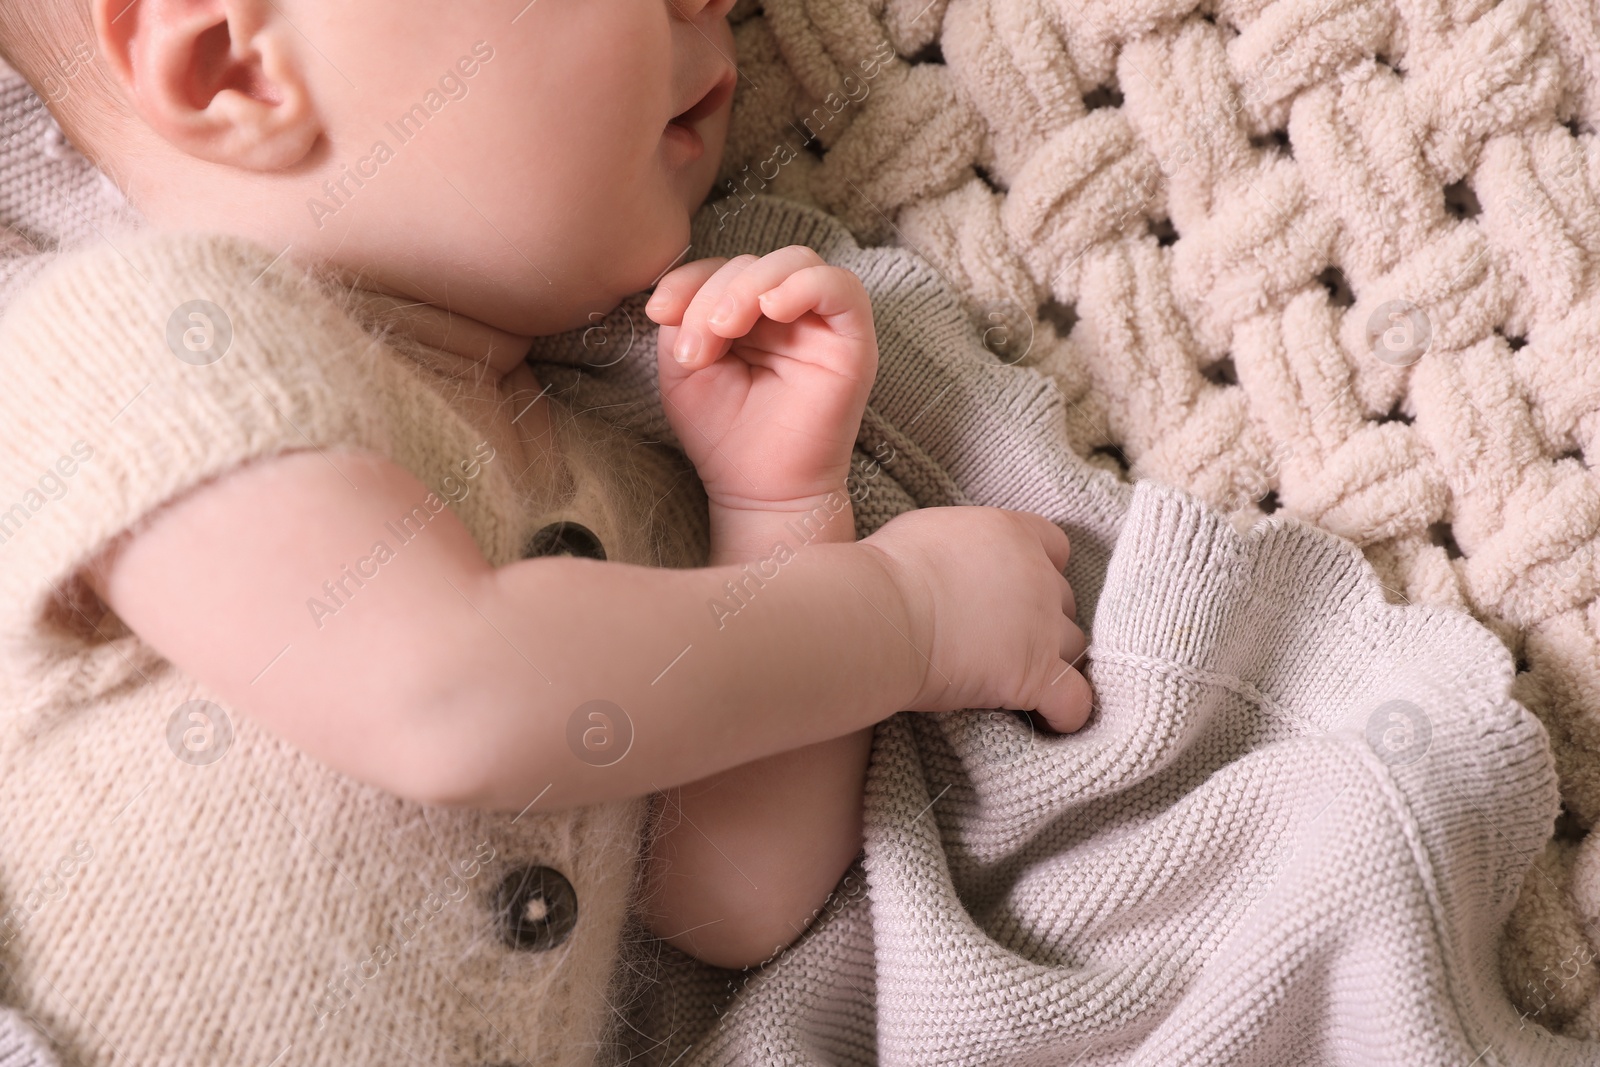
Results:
596 308
669 247
665 247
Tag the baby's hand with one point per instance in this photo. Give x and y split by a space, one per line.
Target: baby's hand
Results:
990 611
775 356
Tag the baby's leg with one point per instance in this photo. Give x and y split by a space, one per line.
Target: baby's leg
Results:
745 859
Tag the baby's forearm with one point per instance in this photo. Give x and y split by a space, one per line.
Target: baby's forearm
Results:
813 652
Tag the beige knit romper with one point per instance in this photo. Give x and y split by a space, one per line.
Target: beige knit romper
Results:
177 885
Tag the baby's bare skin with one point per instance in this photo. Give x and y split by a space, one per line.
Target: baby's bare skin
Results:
557 186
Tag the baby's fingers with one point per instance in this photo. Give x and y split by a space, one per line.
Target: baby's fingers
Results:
1067 700
834 293
733 312
678 288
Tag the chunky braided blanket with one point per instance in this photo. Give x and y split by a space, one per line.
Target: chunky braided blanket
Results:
1334 259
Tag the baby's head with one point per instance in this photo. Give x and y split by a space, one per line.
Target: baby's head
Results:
513 161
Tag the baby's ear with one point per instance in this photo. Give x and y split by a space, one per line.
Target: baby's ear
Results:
219 79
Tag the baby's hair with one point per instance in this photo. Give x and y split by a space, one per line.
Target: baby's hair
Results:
52 43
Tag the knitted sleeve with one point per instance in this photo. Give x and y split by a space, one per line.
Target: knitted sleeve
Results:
133 373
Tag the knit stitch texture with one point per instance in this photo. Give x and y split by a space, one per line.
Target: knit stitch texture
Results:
20 1044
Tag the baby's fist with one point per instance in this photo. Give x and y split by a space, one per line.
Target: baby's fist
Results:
765 364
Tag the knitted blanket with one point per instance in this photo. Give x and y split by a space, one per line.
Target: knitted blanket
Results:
1216 195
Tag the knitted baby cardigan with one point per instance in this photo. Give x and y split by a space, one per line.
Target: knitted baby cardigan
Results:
179 885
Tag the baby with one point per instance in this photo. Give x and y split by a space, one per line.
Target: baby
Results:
456 179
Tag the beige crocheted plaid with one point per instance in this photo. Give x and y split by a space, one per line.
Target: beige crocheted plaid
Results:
1333 257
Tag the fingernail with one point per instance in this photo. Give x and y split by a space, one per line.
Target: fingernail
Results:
658 298
723 312
688 346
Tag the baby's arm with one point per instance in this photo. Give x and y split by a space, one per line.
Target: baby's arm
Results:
743 859
448 681
765 364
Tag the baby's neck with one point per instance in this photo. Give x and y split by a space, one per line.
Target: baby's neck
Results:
458 346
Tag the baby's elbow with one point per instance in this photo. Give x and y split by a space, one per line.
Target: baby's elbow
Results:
748 945
439 752
475 743
441 777
427 769
731 925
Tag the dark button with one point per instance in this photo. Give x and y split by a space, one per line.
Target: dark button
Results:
537 907
566 539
